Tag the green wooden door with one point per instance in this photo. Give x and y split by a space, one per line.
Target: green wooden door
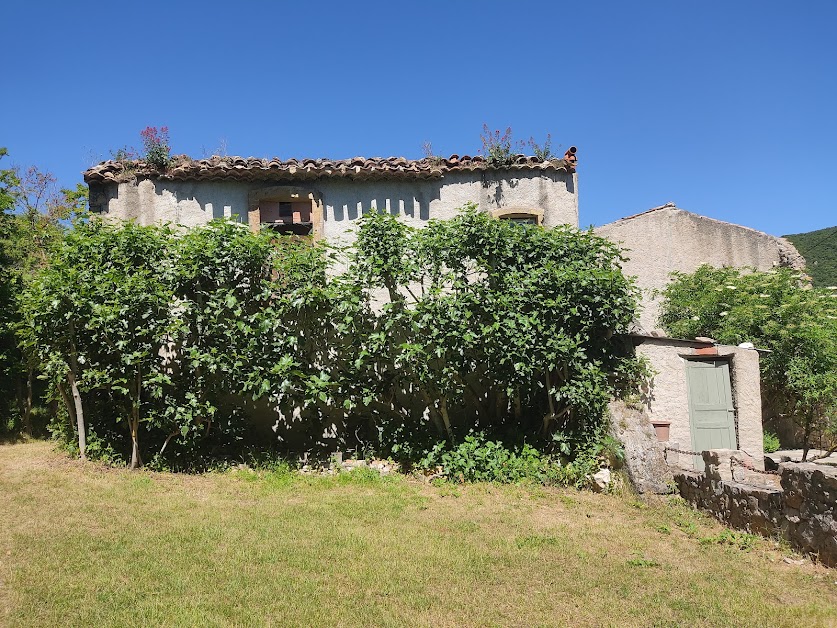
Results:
711 413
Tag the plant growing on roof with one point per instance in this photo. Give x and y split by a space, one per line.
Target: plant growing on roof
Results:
155 142
497 146
427 149
541 151
123 155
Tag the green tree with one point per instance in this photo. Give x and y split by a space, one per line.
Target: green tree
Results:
220 277
8 346
819 248
776 310
98 317
417 335
33 225
495 324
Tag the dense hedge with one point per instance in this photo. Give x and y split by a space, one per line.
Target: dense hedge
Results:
166 347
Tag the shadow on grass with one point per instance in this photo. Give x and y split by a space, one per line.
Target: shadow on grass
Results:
17 438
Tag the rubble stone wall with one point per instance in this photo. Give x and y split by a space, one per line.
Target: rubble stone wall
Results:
799 505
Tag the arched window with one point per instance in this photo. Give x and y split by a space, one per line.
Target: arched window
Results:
520 215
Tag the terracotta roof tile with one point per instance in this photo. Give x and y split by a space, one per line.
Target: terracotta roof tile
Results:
254 169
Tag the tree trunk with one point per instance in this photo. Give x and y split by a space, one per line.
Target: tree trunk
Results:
27 410
21 403
166 444
79 412
136 459
480 402
501 406
71 411
71 377
548 418
806 445
443 410
518 410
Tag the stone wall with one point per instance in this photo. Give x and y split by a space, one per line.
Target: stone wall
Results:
667 239
799 504
191 203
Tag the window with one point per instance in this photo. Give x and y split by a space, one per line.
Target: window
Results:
519 215
286 216
286 210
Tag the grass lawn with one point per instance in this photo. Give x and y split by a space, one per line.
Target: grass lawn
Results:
84 545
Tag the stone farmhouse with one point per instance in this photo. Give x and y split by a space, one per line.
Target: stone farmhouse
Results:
704 396
322 197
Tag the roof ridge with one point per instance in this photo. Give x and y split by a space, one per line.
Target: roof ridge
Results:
257 168
669 205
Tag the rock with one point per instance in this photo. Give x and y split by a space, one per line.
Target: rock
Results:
601 480
791 561
789 256
644 459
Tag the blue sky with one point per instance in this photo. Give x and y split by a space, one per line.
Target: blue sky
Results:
726 108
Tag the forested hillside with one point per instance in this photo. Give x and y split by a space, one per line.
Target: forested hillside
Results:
819 248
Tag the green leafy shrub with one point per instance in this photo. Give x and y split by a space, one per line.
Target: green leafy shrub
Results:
771 442
492 326
101 450
479 459
489 327
776 310
743 541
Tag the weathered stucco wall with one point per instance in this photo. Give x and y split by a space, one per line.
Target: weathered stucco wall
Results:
191 203
746 395
418 201
667 239
668 397
187 203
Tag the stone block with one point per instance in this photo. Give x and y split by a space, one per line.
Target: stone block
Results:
645 459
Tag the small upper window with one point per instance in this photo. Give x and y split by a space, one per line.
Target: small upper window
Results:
286 216
286 210
519 215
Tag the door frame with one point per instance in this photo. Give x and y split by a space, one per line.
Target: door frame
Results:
728 359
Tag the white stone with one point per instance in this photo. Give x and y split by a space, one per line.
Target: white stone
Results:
601 480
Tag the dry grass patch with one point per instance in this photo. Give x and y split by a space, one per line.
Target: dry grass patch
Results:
83 546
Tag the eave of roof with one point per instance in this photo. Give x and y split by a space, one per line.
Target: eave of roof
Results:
640 337
255 169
